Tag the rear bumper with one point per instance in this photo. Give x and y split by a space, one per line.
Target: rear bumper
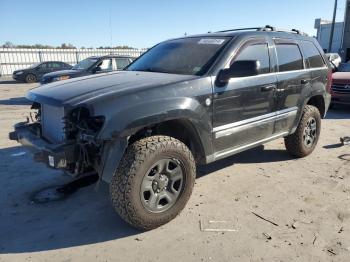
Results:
54 156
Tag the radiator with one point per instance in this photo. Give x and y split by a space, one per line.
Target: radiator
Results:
52 123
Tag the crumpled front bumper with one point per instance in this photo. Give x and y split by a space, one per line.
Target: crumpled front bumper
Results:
53 155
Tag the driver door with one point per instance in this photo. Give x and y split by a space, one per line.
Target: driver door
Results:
244 108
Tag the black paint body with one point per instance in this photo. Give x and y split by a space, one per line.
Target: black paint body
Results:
224 120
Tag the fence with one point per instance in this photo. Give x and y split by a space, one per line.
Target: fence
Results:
12 59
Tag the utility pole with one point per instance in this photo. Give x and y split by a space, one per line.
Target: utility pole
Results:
332 28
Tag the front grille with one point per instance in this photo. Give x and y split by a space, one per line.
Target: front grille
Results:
341 88
52 124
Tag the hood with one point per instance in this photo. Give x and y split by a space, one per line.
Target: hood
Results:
341 78
61 73
83 89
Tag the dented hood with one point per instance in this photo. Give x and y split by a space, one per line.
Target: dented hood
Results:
84 89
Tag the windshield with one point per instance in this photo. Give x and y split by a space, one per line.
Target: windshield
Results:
34 65
344 67
85 64
187 56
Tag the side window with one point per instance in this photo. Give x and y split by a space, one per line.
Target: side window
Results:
42 66
106 65
289 57
122 63
312 55
55 65
259 52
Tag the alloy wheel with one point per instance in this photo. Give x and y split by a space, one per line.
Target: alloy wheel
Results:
310 132
162 185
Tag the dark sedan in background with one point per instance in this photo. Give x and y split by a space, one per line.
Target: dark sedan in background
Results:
88 66
341 85
34 73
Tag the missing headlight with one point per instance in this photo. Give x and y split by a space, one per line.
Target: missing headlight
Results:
81 122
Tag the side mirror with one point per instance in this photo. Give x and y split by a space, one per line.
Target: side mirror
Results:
242 68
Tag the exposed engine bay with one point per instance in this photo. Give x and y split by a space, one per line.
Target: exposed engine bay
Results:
72 142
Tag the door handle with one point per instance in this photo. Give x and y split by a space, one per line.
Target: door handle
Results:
268 88
305 81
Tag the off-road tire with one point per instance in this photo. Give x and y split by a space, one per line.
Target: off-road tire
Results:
125 186
294 143
30 78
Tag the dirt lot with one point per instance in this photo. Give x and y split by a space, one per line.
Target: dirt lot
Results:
308 200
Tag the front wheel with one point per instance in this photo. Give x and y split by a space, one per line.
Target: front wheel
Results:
30 78
153 181
304 140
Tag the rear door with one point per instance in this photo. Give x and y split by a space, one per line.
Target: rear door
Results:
244 108
54 66
292 79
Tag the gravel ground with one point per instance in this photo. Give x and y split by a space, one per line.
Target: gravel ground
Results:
306 204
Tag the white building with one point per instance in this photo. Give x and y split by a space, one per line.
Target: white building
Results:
341 37
323 34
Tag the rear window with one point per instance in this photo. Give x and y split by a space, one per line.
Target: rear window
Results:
289 57
312 54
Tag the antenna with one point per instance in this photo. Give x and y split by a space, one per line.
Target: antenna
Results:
110 26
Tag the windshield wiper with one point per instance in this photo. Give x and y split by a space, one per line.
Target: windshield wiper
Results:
156 70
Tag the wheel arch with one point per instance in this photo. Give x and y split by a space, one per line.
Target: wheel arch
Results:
318 101
182 129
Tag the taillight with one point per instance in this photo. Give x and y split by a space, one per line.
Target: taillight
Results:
329 81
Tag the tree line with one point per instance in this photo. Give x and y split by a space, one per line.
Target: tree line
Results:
62 46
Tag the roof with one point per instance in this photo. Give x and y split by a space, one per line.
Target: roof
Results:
111 56
293 33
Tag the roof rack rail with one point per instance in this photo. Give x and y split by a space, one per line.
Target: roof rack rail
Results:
240 29
266 28
271 28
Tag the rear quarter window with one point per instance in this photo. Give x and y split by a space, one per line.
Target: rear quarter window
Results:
289 57
312 54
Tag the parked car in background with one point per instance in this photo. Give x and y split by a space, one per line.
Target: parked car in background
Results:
88 66
33 73
334 58
341 85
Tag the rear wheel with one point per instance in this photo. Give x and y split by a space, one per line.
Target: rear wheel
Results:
304 140
153 182
31 78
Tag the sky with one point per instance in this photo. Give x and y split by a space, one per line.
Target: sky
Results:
142 24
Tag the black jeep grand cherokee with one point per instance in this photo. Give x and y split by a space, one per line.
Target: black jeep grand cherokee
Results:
186 101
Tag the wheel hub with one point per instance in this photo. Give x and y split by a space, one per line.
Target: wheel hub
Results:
160 183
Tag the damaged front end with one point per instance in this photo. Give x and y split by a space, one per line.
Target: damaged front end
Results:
62 139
